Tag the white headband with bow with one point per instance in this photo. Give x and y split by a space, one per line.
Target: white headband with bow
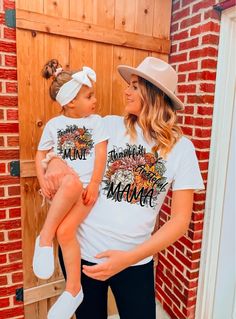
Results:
70 89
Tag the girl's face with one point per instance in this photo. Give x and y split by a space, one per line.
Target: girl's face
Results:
133 100
84 103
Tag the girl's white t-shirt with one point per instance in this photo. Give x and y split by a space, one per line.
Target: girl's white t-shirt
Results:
134 186
74 139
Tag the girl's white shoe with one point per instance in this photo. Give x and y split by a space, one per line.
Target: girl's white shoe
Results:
43 260
66 305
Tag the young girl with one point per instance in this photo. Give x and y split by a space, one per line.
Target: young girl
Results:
78 138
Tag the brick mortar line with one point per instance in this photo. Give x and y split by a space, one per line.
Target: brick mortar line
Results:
8 122
9 134
173 302
192 37
202 22
199 127
11 306
200 59
196 83
193 251
189 298
4 54
179 280
10 272
189 5
194 49
189 50
195 106
197 71
6 39
185 266
7 67
11 251
11 148
9 209
8 80
8 94
10 219
196 25
7 230
175 268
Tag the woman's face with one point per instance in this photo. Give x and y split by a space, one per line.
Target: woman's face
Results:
133 100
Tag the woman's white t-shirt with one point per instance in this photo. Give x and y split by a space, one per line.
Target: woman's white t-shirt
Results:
135 184
74 139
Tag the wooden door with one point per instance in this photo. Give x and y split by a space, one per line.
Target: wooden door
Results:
97 33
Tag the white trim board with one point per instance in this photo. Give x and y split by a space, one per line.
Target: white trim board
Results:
219 154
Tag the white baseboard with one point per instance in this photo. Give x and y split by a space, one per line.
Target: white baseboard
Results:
160 313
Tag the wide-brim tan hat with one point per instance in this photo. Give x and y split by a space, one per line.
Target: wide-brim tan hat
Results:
159 73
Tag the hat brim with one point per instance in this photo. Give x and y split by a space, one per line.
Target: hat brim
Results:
126 72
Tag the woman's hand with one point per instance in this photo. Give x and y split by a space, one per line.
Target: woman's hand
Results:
56 170
44 188
117 260
90 194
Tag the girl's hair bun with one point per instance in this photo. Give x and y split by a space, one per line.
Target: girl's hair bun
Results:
59 76
50 68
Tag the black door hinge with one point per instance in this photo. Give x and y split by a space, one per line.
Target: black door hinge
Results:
10 18
20 294
15 168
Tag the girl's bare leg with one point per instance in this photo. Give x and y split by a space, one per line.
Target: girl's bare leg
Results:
65 198
66 236
71 298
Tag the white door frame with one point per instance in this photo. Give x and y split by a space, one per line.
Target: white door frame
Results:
219 152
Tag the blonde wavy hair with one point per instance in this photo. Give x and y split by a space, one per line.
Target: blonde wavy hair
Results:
158 119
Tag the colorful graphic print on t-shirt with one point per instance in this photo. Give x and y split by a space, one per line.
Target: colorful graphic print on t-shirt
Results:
134 176
74 142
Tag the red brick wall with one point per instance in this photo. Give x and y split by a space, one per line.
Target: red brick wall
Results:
11 274
195 34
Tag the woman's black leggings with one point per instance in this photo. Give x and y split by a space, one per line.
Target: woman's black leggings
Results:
133 289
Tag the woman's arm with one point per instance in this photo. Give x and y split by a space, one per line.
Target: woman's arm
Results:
171 231
40 155
56 170
100 162
40 172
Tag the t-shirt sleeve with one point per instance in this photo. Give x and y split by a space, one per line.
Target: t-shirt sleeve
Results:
188 175
112 123
100 133
46 142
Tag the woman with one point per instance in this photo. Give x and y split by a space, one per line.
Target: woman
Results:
146 155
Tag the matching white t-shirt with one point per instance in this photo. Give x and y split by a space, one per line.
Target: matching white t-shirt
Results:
135 182
74 139
134 186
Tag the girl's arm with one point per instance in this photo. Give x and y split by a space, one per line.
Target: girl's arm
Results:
91 192
171 231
